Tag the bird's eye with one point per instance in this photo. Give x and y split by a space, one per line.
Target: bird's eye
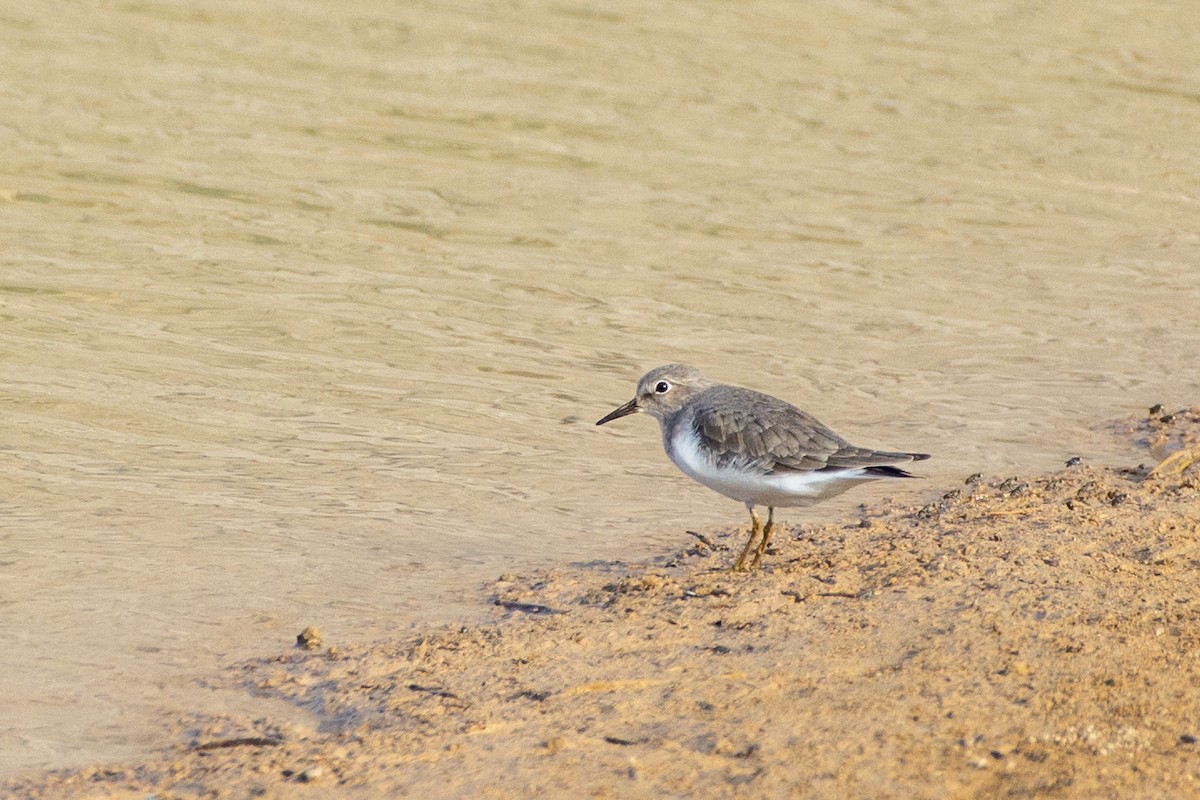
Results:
662 387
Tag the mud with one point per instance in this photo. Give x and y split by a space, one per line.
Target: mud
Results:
1022 636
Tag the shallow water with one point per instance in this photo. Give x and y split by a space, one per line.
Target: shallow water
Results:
308 310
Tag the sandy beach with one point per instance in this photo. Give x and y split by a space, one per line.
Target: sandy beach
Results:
1025 636
310 309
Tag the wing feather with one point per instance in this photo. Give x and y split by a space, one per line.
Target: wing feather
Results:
762 434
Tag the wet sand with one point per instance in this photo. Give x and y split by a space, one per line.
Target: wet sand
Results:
309 307
1028 636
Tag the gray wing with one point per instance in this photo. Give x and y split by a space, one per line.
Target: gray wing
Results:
764 434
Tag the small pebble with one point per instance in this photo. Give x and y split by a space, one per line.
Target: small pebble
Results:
557 744
309 638
311 774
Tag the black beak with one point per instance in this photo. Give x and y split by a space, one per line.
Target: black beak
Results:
625 410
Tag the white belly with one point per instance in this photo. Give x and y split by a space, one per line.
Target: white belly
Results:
778 490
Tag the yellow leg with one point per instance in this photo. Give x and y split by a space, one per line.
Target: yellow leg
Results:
739 565
766 537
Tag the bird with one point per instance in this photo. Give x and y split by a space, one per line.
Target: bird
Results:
752 447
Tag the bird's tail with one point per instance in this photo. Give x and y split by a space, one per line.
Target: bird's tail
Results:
887 472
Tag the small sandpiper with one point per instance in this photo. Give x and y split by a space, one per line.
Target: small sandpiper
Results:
753 447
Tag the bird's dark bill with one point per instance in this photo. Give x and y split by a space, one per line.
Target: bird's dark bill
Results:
617 413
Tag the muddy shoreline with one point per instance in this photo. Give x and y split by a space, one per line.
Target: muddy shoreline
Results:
1020 637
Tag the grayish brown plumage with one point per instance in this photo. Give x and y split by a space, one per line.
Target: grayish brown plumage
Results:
753 447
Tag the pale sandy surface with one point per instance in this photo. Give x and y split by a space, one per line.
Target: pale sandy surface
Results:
1034 636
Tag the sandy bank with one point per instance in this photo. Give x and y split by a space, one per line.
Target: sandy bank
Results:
1022 637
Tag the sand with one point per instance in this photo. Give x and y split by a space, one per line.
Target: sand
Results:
1021 637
